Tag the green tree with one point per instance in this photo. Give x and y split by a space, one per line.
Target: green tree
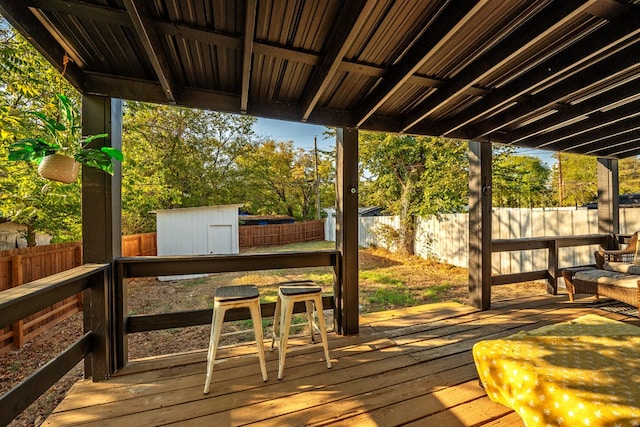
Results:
178 157
411 176
280 179
576 176
520 181
629 175
574 179
27 83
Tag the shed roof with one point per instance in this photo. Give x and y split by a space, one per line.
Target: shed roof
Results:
553 74
199 208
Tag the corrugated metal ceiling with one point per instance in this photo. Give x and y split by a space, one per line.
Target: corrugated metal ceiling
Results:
553 74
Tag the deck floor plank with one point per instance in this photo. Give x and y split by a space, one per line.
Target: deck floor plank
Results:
406 367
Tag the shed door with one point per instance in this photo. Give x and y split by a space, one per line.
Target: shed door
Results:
220 239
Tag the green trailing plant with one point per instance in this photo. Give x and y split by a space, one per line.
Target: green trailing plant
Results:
63 135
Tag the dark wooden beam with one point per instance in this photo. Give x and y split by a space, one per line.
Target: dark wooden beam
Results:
84 10
569 112
518 42
608 201
183 319
174 265
595 46
247 56
191 32
150 40
618 146
597 126
529 276
480 224
454 16
591 77
350 21
101 200
619 140
23 20
347 228
101 225
630 150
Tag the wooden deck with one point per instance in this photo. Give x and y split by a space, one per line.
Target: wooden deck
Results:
407 367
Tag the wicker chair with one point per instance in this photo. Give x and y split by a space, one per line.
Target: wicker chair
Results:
607 282
627 254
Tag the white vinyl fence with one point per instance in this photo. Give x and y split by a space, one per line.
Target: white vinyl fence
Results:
446 237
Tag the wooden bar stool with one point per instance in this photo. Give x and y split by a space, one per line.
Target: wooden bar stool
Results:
227 297
288 294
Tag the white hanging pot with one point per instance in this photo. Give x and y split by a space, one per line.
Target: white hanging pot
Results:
59 168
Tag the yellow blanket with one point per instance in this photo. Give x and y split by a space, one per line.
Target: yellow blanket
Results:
585 372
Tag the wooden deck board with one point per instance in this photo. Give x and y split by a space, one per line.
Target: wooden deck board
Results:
411 366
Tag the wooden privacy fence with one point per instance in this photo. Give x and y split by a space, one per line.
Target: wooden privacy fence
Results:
253 236
140 245
19 266
446 237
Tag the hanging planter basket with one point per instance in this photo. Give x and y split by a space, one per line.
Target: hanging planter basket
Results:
59 168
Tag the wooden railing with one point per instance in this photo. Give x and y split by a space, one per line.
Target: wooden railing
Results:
19 266
178 265
552 245
18 303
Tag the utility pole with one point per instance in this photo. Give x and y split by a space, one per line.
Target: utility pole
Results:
317 178
560 183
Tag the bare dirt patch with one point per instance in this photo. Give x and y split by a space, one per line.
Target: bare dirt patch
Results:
387 281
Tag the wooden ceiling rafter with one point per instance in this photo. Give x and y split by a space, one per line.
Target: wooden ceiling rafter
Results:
249 33
42 40
625 147
514 73
451 19
542 24
150 40
570 112
572 59
348 26
589 77
592 122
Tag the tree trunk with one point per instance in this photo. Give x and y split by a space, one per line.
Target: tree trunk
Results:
30 235
407 227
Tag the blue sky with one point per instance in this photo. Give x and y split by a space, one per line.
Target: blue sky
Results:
302 135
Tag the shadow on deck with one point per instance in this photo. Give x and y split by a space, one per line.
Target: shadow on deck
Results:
410 366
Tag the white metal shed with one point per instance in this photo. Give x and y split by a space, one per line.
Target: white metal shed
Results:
197 231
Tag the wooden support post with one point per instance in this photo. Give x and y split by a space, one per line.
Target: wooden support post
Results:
347 297
101 214
552 268
480 224
77 262
17 279
99 319
608 203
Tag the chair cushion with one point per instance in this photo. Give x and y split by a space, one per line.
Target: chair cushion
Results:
299 290
622 267
236 293
607 277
